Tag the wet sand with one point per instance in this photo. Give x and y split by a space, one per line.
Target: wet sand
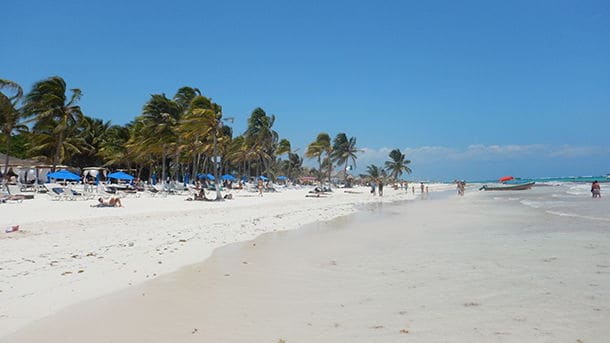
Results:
449 270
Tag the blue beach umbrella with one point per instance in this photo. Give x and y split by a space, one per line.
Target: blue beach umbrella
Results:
63 175
264 178
228 177
206 176
282 177
120 176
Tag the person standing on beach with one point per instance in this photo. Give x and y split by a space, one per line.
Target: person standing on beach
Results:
260 187
380 187
421 186
373 186
413 189
461 187
596 190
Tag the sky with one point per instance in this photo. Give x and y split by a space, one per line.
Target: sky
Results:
467 89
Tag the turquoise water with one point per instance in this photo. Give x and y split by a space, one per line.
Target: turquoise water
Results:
559 198
543 180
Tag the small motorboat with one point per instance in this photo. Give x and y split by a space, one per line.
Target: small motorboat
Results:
509 187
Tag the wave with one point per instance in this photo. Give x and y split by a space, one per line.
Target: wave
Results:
574 215
579 189
543 203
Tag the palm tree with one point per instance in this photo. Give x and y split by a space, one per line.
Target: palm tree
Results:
283 147
112 146
237 153
184 98
52 109
375 172
10 115
159 118
92 131
397 164
197 126
261 137
344 150
318 148
295 165
42 144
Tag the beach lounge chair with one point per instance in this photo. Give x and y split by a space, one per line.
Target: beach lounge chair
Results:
8 198
155 190
16 194
59 192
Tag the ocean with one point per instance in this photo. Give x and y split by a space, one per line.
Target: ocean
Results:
562 198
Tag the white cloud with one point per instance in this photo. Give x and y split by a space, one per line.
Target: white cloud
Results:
480 152
568 151
480 160
372 156
491 152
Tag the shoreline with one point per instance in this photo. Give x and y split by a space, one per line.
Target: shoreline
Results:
432 280
60 260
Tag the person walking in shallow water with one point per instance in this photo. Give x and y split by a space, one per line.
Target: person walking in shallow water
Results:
596 190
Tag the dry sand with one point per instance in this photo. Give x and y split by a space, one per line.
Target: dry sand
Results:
66 251
456 270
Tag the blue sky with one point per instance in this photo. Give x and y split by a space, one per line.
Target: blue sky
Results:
468 89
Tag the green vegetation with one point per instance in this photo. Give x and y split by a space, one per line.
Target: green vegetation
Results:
397 164
171 137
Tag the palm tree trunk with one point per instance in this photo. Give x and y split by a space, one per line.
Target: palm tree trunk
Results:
56 156
330 168
8 149
194 167
320 169
163 166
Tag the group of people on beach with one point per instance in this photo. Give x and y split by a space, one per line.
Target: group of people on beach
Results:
461 187
377 187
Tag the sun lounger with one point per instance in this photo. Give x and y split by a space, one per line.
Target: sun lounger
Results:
155 191
8 198
59 192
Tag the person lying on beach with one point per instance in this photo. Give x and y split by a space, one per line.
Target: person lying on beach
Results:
320 189
111 202
11 197
352 192
199 196
317 195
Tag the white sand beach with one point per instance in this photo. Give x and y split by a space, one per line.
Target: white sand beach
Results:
482 268
66 251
